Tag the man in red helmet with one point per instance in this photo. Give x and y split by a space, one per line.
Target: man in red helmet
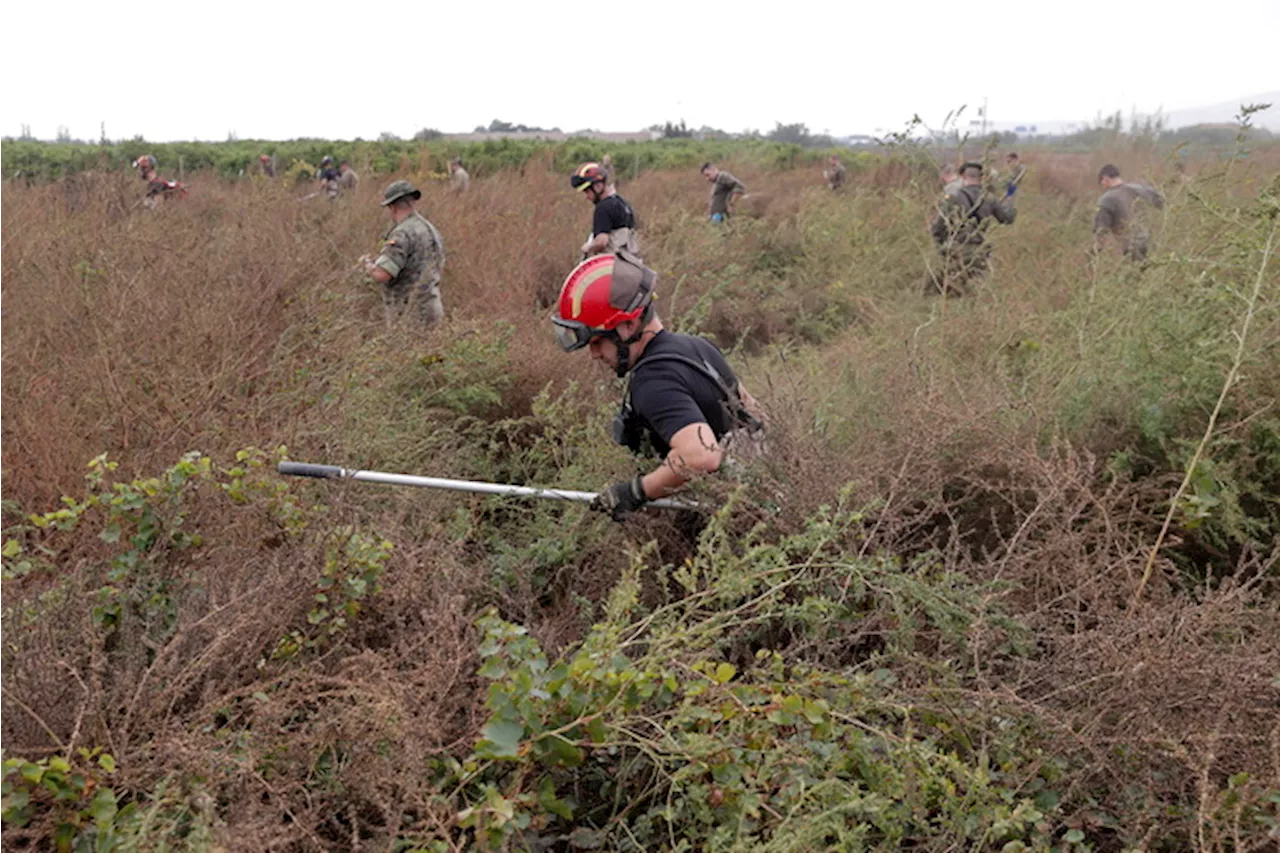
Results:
157 189
613 225
683 402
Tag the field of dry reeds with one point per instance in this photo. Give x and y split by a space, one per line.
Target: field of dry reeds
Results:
1007 581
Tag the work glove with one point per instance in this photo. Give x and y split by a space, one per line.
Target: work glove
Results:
1010 190
621 499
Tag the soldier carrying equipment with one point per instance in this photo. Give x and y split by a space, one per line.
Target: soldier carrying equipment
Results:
960 232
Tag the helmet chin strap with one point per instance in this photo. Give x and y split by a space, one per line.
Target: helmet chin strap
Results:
624 346
624 355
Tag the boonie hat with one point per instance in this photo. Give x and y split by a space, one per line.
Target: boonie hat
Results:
397 190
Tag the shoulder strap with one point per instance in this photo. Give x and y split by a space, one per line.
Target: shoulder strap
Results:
435 234
704 367
973 206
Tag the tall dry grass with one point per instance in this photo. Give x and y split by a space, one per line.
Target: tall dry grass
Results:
983 432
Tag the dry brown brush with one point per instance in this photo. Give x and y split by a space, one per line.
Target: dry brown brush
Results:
302 666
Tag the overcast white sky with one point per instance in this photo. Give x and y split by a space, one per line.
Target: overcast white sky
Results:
198 71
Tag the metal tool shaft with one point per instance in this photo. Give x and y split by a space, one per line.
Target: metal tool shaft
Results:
333 472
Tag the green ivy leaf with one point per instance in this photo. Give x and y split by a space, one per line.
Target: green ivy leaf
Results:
1074 836
557 750
103 808
550 802
16 801
596 731
501 739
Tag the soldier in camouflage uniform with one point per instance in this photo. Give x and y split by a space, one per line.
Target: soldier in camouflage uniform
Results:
459 180
724 189
347 177
834 173
412 259
1017 171
960 231
1115 216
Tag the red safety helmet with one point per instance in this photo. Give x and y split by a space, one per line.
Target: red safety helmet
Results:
587 174
600 293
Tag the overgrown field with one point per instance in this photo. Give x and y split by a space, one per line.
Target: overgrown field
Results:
1007 581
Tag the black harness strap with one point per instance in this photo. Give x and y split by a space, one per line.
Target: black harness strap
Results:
736 407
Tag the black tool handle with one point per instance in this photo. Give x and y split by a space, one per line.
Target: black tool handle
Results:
306 469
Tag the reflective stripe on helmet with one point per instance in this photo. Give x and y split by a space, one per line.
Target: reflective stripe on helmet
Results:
580 288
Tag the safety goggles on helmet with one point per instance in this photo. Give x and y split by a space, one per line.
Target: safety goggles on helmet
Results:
586 175
573 335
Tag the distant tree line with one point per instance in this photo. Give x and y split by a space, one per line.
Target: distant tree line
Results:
499 126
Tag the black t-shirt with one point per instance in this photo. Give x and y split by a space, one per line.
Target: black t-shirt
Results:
328 173
611 214
670 395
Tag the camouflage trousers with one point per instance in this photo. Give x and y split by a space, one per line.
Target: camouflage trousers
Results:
1136 245
422 300
958 268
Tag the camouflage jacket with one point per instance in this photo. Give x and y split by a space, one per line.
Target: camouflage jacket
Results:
721 188
1116 206
413 253
965 215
